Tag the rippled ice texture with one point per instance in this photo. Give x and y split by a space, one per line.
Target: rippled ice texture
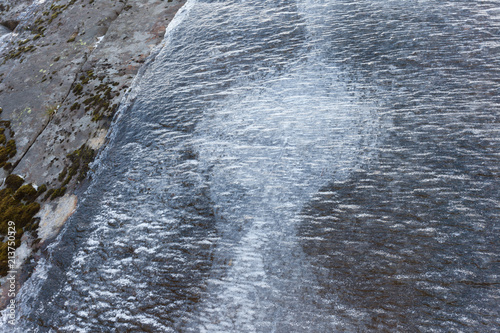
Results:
309 166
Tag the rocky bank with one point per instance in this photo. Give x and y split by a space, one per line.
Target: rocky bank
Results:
65 66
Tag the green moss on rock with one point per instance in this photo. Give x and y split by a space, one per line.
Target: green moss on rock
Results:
77 90
17 211
41 190
13 182
16 53
7 148
75 106
3 138
58 193
26 193
80 160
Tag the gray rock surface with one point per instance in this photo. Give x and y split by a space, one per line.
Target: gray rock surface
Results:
63 72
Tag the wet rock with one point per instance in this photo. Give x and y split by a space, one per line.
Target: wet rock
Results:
10 25
4 30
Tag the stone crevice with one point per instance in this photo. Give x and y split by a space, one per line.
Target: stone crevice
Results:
75 80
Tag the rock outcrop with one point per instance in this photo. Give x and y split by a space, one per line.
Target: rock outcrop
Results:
64 68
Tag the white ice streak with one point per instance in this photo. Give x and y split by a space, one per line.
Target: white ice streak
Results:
277 144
